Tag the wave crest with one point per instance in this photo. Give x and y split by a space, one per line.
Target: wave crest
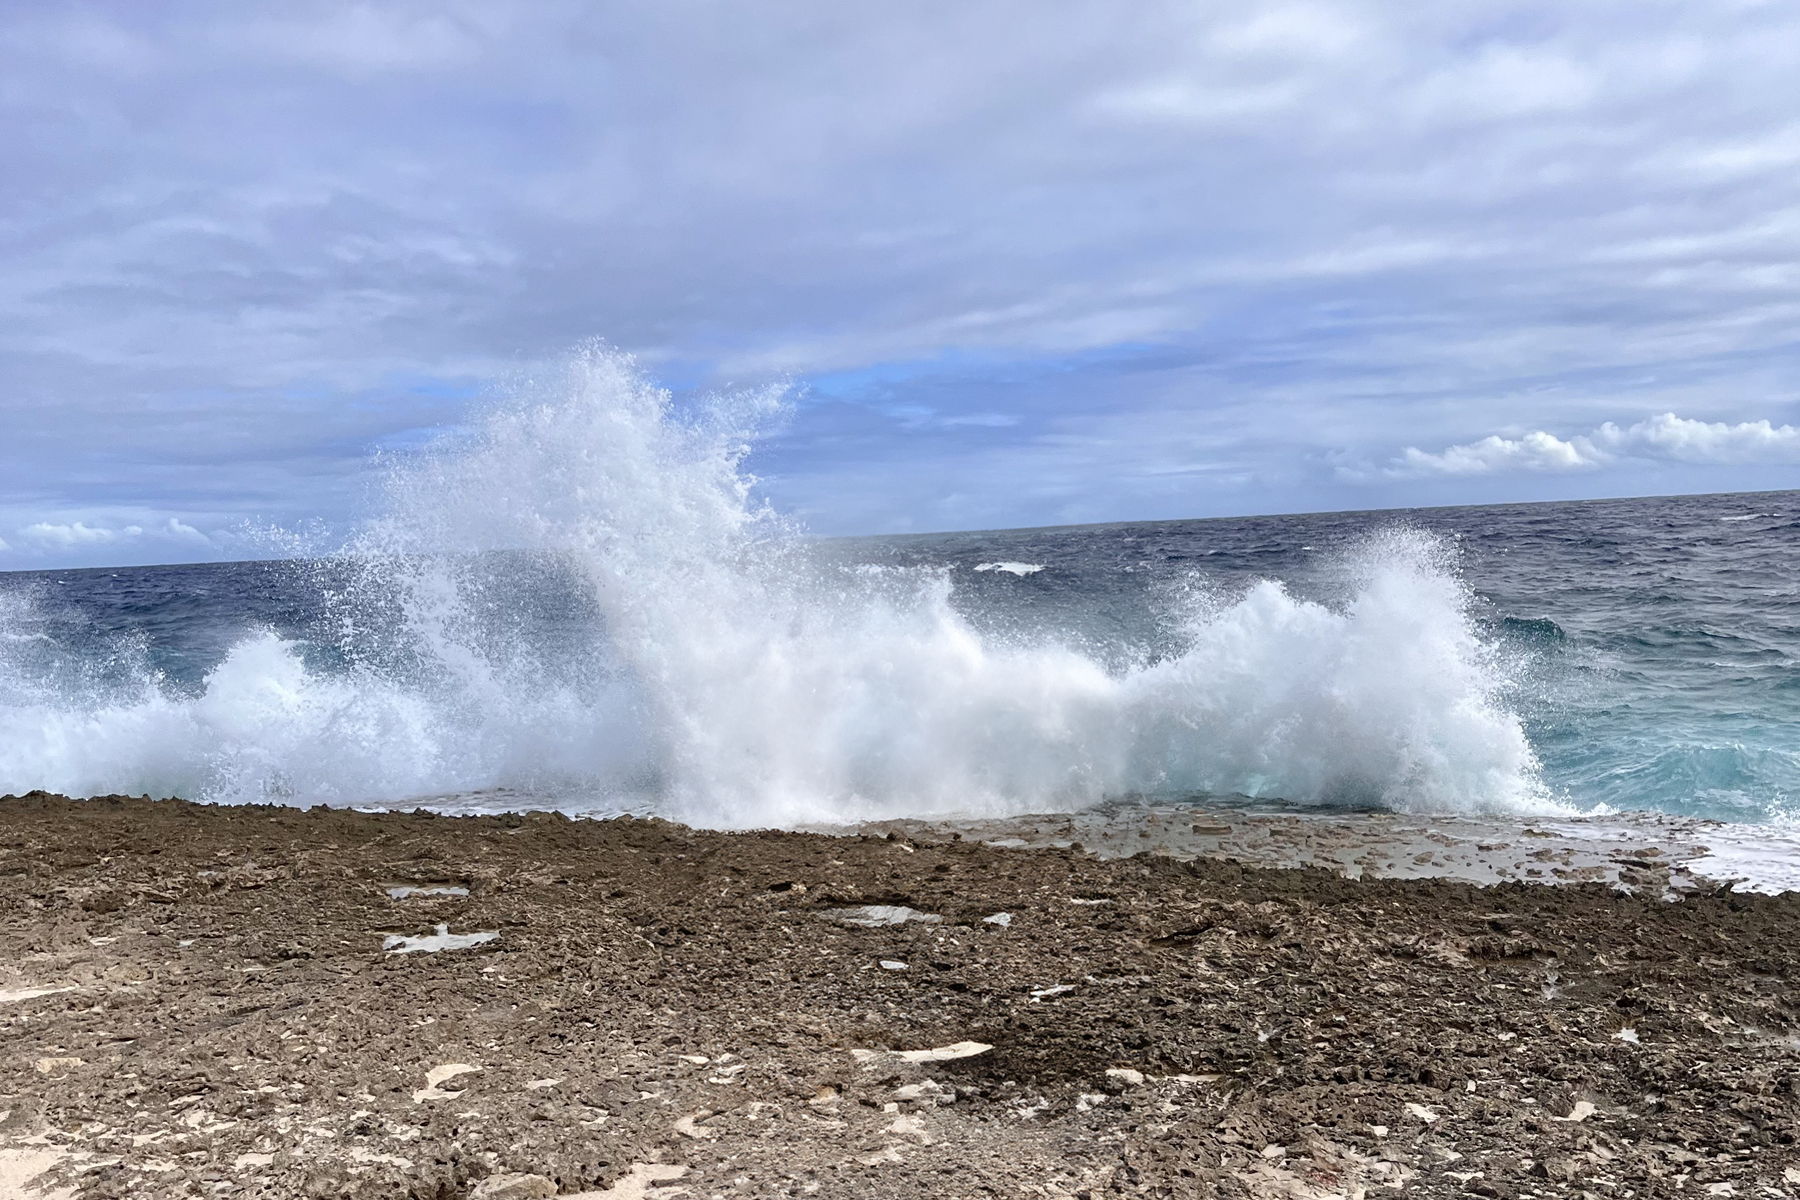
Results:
698 652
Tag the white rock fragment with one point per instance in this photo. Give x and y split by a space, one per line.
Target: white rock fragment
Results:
1000 919
910 1126
246 1161
928 1091
637 1184
1420 1111
32 993
1125 1075
439 1075
404 891
689 1126
887 1154
21 1165
513 1187
1044 993
49 1066
889 964
443 939
877 916
1582 1111
538 1085
939 1054
1627 1035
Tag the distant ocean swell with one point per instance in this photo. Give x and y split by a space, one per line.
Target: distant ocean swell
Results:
583 600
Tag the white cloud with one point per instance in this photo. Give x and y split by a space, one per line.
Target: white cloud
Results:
1536 451
1321 210
79 534
75 533
1681 440
1665 438
177 528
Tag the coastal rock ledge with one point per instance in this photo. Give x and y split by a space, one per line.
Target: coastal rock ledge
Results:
275 1003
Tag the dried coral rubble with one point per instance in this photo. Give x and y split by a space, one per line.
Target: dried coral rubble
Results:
272 1003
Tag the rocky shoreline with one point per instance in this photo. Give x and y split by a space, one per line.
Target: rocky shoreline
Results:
267 1002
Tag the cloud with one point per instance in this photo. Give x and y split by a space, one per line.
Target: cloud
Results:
1671 437
78 534
1536 451
1666 438
252 243
181 530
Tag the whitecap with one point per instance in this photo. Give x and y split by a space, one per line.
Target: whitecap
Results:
728 677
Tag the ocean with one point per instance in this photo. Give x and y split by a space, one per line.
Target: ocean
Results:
580 603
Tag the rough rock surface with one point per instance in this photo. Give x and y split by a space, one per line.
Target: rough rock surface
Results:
196 1002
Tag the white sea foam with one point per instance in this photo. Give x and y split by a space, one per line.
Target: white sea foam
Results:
1021 569
738 679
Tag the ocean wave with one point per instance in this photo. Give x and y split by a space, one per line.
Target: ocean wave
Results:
743 680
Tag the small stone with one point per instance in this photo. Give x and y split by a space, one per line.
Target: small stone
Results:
439 1075
690 1127
1582 1111
513 1187
870 1058
876 916
48 1066
1125 1075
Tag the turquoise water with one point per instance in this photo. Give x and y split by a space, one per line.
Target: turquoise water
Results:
581 603
1649 648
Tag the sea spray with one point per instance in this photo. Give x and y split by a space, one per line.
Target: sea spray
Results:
580 598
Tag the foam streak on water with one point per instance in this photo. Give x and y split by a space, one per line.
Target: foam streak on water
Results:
704 659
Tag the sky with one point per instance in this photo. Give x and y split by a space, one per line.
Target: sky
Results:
1020 263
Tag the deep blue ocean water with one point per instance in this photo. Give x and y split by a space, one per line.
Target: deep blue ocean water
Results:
1647 649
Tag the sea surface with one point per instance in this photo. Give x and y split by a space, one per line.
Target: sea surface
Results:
585 606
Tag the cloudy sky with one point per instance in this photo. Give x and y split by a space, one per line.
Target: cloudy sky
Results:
1024 263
